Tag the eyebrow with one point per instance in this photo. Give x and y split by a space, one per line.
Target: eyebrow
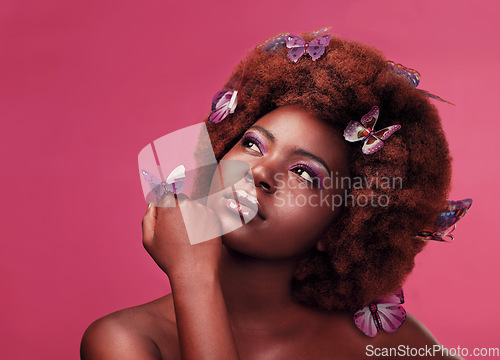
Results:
296 149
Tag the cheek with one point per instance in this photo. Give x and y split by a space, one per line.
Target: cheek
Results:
303 219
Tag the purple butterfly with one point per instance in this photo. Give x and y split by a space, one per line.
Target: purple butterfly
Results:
223 103
373 140
413 77
299 46
173 183
386 314
279 41
454 211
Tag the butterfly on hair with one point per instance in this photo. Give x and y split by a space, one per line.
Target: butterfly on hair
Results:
223 103
298 46
446 219
278 42
413 78
364 130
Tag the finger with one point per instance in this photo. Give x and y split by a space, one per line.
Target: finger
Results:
148 223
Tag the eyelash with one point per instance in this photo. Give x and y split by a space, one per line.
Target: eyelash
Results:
249 137
317 178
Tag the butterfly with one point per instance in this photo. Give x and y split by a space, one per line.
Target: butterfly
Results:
413 77
173 183
454 211
223 103
299 46
373 140
386 314
275 43
279 41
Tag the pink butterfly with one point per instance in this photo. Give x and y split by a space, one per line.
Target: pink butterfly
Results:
454 211
386 314
173 183
223 103
299 46
373 141
413 77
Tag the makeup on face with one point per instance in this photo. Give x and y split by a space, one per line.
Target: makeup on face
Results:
311 172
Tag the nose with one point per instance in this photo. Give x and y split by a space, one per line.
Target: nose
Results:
262 174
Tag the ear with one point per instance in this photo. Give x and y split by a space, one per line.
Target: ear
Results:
321 244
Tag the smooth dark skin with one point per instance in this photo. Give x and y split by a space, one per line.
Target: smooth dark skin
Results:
231 297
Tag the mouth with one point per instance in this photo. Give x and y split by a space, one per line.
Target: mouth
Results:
245 205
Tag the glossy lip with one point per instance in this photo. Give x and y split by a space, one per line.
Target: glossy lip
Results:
239 209
244 198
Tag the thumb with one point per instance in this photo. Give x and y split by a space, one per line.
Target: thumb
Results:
148 223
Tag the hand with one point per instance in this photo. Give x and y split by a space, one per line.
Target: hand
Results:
184 243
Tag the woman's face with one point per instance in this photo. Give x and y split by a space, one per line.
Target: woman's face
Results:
294 160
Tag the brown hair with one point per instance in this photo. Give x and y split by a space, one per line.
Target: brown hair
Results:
371 249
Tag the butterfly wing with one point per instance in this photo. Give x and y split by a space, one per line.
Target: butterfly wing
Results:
317 46
275 43
157 189
178 173
375 142
385 133
297 47
233 102
400 295
397 298
149 177
435 97
295 53
355 131
364 320
175 187
411 75
453 212
154 183
320 31
429 235
371 145
220 106
174 181
370 119
391 316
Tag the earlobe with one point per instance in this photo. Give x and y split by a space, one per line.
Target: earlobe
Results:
320 245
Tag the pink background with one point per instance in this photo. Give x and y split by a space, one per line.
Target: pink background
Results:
85 85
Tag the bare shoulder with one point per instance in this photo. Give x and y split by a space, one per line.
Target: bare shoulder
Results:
146 332
413 339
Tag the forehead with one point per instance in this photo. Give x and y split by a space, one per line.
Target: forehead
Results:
294 126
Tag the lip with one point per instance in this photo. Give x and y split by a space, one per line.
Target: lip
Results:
248 202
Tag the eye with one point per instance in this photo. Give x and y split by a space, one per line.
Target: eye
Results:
252 142
308 173
303 173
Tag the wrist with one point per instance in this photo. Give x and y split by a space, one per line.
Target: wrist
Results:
193 277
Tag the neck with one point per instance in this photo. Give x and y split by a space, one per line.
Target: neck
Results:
257 290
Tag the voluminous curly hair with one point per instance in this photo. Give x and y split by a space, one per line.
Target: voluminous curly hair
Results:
371 249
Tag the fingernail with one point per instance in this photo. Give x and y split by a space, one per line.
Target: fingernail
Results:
150 205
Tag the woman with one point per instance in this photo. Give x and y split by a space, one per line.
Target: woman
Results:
286 284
